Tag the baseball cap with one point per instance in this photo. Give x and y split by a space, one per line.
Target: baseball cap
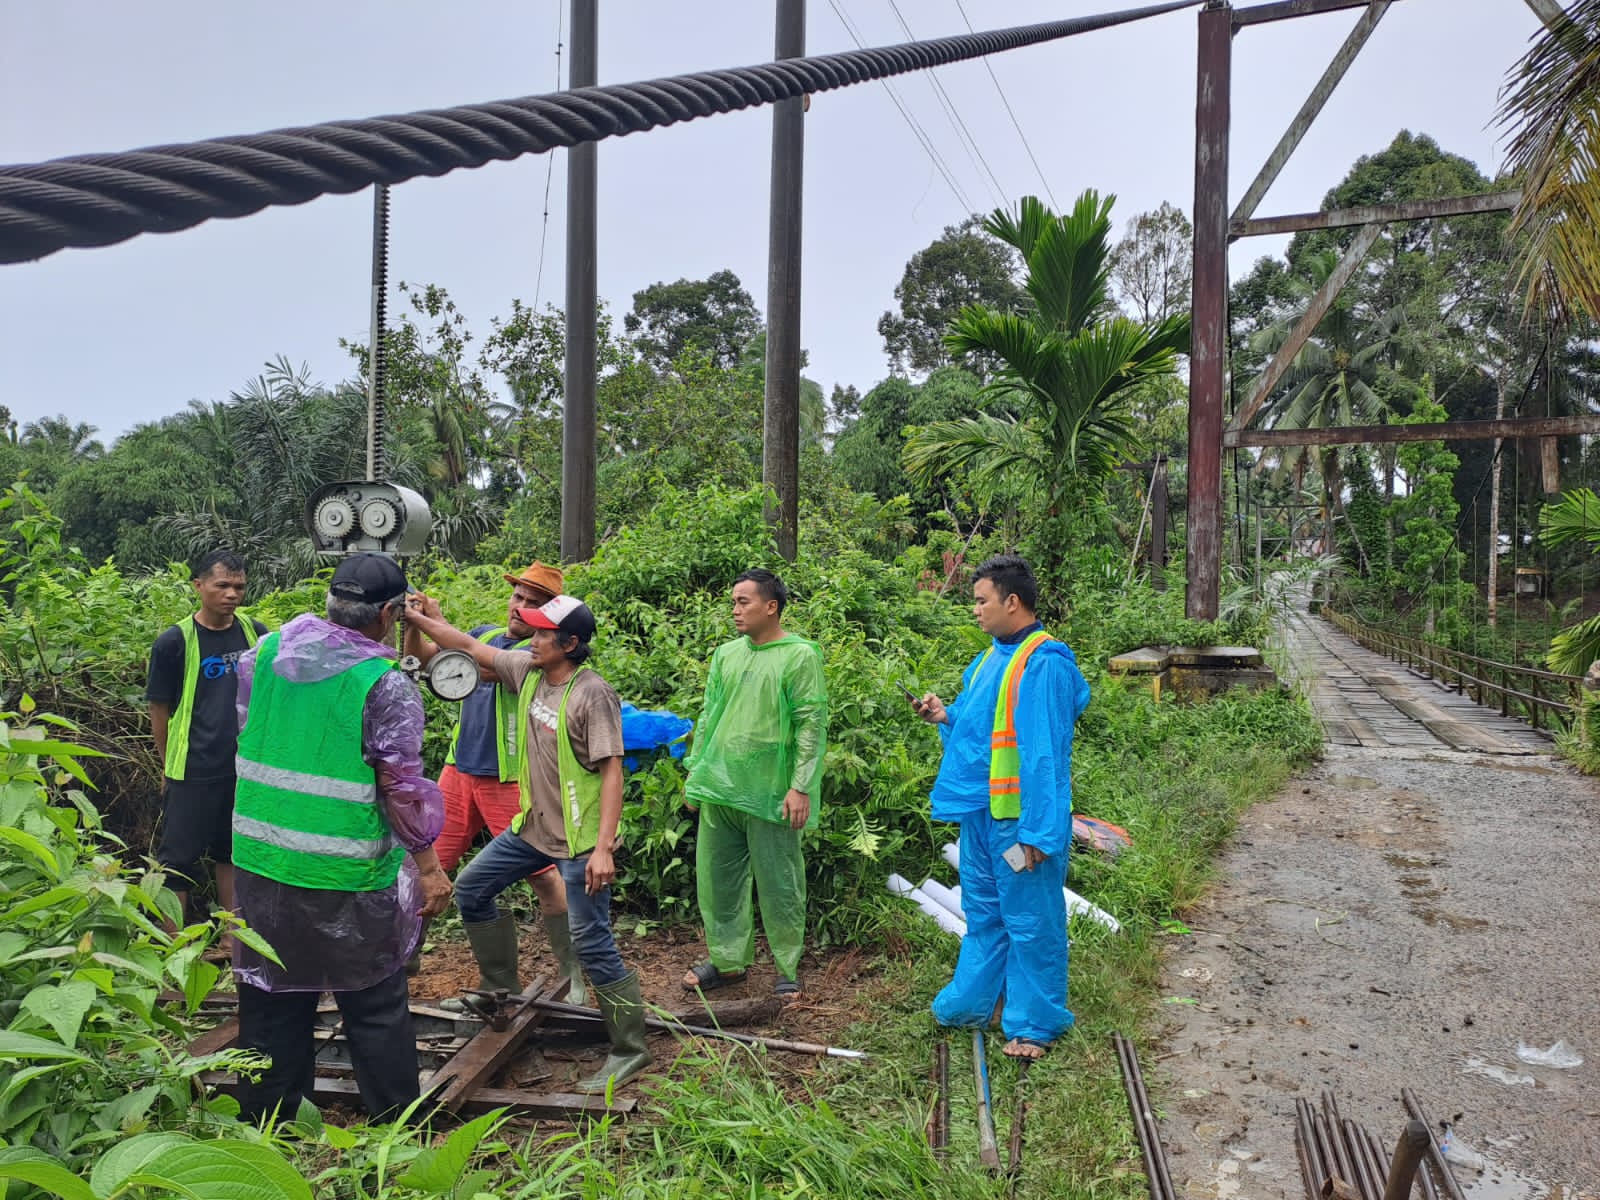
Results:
564 614
537 575
369 577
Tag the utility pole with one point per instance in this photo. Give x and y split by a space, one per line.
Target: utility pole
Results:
1208 356
780 437
578 405
1492 600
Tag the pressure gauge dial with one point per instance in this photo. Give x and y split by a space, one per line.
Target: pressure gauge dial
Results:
452 675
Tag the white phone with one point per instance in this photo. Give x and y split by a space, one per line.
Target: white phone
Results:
1015 858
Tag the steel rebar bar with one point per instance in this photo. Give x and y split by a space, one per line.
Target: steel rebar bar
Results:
1144 1122
1408 1152
988 1149
1018 1115
939 1131
1443 1175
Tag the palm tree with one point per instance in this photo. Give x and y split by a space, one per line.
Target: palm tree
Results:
1551 106
1576 517
1060 405
1334 380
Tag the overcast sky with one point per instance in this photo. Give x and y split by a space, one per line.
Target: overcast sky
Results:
129 333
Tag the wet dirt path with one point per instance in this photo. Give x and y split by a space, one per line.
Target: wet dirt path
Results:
1403 915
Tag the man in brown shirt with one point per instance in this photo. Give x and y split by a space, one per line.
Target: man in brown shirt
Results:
570 775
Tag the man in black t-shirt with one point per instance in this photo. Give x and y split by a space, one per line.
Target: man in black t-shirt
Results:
191 692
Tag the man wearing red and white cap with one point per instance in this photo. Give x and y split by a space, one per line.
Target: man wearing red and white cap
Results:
479 784
570 777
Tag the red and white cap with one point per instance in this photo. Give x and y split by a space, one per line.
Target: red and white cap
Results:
564 614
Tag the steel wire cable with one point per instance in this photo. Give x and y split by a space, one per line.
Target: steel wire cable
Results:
102 199
1015 124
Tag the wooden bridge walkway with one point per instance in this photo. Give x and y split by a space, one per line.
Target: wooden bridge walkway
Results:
1365 699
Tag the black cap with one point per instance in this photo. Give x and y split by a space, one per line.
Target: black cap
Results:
369 577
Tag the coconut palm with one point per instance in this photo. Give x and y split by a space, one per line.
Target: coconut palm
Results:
1059 411
1334 380
1551 107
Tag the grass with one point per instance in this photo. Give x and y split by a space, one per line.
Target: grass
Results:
726 1123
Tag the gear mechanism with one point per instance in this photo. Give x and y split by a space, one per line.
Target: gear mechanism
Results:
335 517
379 518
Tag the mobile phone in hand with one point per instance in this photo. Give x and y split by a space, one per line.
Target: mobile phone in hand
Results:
1015 857
916 700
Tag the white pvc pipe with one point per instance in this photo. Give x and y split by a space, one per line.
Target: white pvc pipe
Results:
942 917
951 853
949 897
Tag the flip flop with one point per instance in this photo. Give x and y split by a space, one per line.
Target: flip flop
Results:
1042 1047
709 979
787 990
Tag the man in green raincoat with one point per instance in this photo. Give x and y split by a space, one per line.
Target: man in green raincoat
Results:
755 774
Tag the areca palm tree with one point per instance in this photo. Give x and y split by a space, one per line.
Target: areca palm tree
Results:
1551 107
1065 365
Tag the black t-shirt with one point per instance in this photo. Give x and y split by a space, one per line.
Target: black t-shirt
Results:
214 727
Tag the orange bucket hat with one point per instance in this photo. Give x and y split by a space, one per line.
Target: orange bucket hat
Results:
537 575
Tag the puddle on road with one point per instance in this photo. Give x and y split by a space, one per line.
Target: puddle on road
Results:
1502 1183
1403 862
1454 922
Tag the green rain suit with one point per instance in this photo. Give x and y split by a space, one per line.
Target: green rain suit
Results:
763 731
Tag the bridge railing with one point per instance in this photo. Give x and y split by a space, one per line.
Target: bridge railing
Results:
1544 699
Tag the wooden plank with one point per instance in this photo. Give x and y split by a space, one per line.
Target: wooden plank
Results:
1380 214
224 1037
1283 10
490 1050
1436 431
549 1106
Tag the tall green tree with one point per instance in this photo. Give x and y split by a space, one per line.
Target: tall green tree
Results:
1152 267
965 265
714 316
1060 416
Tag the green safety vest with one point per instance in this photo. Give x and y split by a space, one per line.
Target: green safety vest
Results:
580 789
306 808
183 715
505 721
1005 763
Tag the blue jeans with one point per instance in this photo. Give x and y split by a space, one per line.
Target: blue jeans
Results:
508 859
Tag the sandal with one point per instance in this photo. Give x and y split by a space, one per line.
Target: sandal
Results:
1042 1047
787 990
709 979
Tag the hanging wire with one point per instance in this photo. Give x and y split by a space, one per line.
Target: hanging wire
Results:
917 130
953 116
550 161
1015 124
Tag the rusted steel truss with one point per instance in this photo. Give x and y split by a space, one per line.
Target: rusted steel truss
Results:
1208 366
1439 431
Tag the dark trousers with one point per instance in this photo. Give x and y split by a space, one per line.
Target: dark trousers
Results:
377 1025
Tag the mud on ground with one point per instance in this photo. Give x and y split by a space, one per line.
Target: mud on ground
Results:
1394 919
835 995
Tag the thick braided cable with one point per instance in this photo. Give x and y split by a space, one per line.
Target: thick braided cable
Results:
100 199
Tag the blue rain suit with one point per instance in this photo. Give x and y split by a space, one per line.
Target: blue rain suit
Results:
1016 943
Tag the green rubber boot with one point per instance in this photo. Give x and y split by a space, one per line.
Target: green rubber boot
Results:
623 1009
559 932
494 945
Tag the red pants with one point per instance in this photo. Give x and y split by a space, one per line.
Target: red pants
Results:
470 803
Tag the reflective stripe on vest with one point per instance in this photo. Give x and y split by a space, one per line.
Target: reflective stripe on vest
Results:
306 809
183 716
505 720
1005 763
580 789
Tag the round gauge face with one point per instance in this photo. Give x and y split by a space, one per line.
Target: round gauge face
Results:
377 518
452 675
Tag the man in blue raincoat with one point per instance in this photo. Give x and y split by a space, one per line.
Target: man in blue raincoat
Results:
1006 777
